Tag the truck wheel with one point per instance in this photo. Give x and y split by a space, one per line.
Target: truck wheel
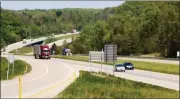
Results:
39 57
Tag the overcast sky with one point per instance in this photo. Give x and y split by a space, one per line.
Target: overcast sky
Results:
19 5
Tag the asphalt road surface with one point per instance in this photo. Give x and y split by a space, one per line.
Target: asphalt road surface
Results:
49 77
160 79
44 75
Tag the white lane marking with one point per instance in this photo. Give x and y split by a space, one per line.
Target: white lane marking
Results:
66 78
67 65
30 79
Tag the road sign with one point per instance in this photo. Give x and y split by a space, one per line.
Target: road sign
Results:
10 58
110 53
96 56
178 54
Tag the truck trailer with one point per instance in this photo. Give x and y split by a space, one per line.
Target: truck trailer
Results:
42 52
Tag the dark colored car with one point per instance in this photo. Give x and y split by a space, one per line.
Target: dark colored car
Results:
128 65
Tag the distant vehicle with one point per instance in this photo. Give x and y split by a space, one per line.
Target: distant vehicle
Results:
120 67
53 35
128 65
73 31
24 41
42 52
66 52
3 49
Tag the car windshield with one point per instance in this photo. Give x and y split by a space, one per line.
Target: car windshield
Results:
127 64
45 50
119 65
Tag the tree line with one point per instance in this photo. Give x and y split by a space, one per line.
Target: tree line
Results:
22 24
136 27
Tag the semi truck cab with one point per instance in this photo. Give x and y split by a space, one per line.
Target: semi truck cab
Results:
42 52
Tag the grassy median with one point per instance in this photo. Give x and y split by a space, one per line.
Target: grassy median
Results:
23 50
108 86
19 68
150 66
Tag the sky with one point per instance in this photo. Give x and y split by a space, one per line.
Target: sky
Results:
19 5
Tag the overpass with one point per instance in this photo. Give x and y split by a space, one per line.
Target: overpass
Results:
20 44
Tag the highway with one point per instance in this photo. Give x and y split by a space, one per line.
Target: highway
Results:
49 77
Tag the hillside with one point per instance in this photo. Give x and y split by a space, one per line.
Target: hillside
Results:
136 27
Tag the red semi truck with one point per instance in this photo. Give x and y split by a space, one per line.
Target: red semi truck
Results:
42 52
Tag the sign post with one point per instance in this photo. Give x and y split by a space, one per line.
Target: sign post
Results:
89 62
101 62
13 67
7 74
8 66
178 56
11 60
96 56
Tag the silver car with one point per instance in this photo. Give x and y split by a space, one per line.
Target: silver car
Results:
120 67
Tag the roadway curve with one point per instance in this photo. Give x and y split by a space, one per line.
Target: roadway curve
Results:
49 77
44 75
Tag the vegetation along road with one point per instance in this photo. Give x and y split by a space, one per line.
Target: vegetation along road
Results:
85 87
19 69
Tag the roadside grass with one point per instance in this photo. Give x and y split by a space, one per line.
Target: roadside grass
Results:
19 68
108 86
149 66
23 50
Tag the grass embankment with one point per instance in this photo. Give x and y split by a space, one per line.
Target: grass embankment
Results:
23 50
19 68
150 66
108 86
152 55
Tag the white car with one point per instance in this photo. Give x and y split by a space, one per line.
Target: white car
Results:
120 67
24 41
